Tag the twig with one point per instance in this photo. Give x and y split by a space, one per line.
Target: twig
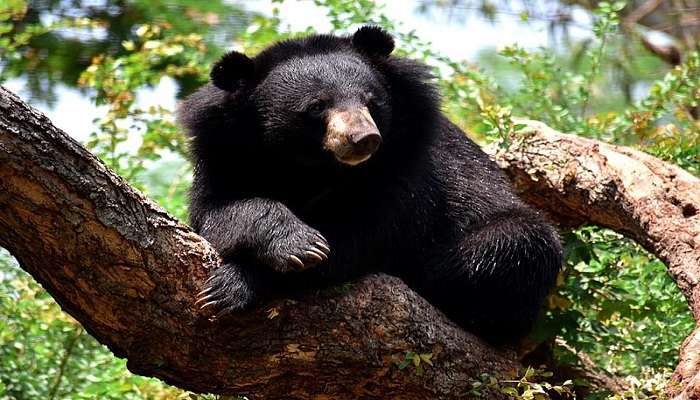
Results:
70 345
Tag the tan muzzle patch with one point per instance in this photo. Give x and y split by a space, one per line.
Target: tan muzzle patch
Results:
351 135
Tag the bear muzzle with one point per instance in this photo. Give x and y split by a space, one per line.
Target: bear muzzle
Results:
351 135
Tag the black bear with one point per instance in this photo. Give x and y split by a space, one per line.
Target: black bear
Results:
330 152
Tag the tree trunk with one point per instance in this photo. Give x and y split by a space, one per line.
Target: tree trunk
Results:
129 272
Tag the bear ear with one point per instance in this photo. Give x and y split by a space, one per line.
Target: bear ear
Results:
232 71
373 41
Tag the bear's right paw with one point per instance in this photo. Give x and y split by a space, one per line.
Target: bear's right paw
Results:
228 289
300 249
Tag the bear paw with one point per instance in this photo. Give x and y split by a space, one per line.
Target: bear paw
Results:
302 248
228 289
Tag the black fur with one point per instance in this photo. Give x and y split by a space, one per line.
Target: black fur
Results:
373 41
429 206
232 71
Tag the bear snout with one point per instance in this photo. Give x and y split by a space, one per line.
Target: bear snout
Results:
366 142
351 135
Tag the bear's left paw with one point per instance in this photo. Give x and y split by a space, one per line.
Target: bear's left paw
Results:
315 252
228 289
300 248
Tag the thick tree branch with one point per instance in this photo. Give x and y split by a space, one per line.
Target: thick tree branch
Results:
581 181
129 273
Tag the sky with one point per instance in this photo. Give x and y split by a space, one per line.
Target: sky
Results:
457 38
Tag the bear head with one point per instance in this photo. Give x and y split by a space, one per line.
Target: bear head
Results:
318 100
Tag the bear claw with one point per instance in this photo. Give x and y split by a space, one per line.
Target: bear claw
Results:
323 247
316 252
208 304
296 260
319 252
228 289
314 255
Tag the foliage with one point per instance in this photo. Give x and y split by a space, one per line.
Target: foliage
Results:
649 384
532 385
132 140
612 298
614 301
51 42
419 361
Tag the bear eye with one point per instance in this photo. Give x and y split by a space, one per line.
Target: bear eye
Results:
316 108
372 99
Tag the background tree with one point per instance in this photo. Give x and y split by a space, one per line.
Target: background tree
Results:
73 33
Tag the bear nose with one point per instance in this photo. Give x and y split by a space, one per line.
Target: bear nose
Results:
351 135
366 142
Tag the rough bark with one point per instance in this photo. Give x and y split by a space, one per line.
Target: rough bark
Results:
130 273
581 181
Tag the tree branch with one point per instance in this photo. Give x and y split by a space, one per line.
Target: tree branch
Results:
580 181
